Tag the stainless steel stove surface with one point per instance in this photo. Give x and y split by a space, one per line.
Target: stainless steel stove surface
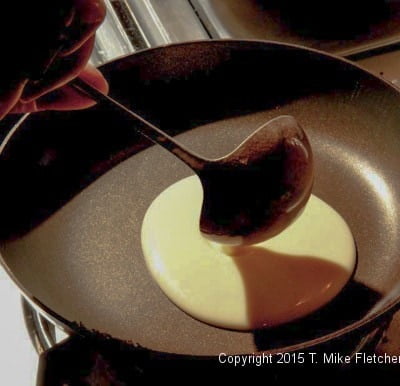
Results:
368 32
340 27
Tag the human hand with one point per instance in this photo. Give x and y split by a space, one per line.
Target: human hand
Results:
52 48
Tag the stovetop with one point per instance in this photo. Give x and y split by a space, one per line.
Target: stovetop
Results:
368 33
342 27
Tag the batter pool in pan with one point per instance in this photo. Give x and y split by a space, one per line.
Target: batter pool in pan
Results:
246 287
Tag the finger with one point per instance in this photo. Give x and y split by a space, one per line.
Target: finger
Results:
70 99
66 98
62 71
10 97
87 16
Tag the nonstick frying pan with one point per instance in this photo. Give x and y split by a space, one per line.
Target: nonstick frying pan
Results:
76 185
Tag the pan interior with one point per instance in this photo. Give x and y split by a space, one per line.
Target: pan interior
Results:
85 261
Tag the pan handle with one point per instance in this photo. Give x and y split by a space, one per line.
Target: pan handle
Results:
82 358
92 359
65 364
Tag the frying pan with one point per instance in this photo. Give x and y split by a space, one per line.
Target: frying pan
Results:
76 185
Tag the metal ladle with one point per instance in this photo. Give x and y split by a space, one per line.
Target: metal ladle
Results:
251 194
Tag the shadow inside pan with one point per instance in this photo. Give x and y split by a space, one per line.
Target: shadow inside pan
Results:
350 305
75 186
285 283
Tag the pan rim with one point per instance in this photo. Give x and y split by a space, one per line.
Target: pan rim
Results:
71 326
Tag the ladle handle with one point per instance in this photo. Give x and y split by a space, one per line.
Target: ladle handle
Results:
143 126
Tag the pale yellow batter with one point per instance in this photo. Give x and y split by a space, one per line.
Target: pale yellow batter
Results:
248 287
